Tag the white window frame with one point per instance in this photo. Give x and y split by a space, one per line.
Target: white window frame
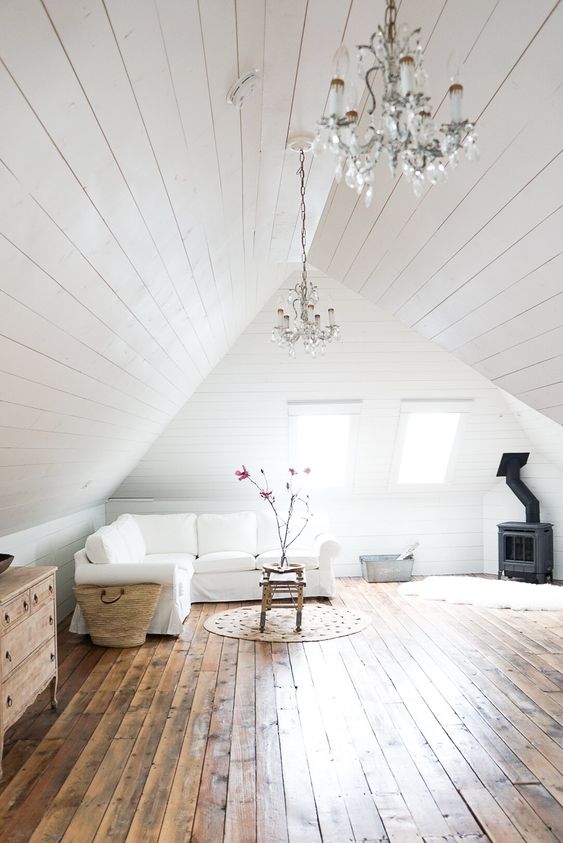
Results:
328 408
462 407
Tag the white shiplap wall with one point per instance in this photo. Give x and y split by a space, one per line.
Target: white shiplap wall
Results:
239 414
55 543
543 474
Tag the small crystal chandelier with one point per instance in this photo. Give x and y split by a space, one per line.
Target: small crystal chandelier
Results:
405 130
303 298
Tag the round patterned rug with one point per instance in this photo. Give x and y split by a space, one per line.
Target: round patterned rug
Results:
319 623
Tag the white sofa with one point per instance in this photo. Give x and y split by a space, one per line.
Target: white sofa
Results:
209 558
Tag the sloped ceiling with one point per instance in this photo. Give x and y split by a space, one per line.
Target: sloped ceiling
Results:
144 222
476 264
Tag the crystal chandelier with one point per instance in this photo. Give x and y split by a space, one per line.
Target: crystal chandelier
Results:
303 299
404 130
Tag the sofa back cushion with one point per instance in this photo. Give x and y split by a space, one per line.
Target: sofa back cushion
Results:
175 533
106 546
132 536
232 531
268 538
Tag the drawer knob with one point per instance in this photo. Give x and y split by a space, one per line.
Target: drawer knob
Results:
25 605
8 655
7 618
50 589
50 620
35 598
9 702
52 657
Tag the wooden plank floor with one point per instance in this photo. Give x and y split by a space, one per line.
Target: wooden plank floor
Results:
437 723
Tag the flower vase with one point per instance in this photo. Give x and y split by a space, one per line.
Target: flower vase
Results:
284 564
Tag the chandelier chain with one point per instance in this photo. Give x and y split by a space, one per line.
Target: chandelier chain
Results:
301 174
390 20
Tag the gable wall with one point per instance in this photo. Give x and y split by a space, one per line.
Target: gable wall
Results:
239 414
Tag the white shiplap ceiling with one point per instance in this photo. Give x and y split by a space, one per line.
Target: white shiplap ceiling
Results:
144 222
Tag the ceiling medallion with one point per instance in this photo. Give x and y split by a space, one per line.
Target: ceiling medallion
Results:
404 129
303 298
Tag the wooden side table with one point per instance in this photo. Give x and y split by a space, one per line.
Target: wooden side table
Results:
288 581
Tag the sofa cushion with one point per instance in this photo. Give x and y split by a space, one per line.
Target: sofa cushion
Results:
169 533
235 531
182 560
224 561
107 546
132 536
267 536
298 556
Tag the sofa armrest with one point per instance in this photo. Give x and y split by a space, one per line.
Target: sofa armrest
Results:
128 573
326 548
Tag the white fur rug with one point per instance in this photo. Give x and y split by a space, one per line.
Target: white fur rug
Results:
487 593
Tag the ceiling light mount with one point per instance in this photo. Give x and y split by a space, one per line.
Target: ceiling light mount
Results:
301 142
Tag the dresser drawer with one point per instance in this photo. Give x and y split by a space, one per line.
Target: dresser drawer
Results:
41 593
22 687
14 610
17 644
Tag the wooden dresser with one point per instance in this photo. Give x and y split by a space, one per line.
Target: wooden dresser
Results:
28 641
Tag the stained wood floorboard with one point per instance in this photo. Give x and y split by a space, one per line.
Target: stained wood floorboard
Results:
436 723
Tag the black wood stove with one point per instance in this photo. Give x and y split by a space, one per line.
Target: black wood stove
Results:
525 549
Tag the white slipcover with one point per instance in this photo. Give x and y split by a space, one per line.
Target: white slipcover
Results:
224 561
168 533
211 558
107 546
226 532
173 571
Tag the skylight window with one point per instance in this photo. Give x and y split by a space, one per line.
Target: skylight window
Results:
322 438
427 446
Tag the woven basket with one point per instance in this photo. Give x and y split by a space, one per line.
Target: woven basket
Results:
118 616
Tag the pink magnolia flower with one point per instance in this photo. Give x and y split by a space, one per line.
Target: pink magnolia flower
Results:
293 472
242 475
307 470
266 495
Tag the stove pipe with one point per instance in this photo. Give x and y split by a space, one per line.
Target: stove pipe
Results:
509 467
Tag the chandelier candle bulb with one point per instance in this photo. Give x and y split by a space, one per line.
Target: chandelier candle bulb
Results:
331 321
406 65
286 322
456 97
280 317
318 320
340 63
336 98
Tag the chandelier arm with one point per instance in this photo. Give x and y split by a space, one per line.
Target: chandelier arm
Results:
372 70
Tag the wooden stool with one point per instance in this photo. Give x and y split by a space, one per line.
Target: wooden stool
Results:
290 581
